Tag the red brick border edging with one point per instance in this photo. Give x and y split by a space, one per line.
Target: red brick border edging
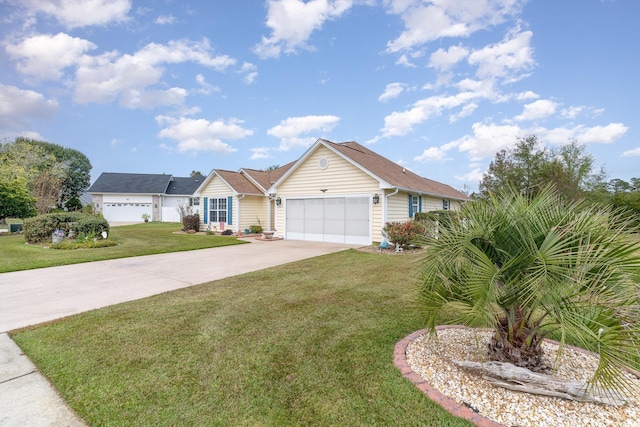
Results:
400 361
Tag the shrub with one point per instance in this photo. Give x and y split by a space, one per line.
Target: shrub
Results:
255 229
404 233
90 224
40 228
436 221
191 222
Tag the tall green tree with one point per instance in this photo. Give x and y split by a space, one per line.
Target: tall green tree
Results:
529 166
29 159
15 200
528 267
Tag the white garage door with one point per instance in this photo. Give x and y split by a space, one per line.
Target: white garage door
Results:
331 219
127 212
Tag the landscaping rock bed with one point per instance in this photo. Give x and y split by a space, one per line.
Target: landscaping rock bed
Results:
431 359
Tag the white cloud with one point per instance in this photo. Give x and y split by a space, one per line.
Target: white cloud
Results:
291 131
205 88
260 153
525 96
165 20
432 154
474 175
572 112
426 21
114 76
293 21
45 56
602 134
391 91
202 134
487 140
405 61
632 153
507 59
250 72
400 123
537 110
81 13
466 111
18 106
444 60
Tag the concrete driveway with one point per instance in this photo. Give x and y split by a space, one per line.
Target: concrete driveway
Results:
36 296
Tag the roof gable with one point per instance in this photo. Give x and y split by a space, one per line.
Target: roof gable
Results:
238 182
388 173
391 172
133 183
265 179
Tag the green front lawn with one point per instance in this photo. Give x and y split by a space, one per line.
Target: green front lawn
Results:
133 240
307 343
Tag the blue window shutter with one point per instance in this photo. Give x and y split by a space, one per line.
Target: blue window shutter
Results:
230 210
410 206
206 210
419 203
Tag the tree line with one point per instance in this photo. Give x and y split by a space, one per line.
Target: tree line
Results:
37 177
529 167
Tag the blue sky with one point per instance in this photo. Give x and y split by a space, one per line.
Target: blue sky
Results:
438 86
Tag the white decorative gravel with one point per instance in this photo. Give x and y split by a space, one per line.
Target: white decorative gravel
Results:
430 358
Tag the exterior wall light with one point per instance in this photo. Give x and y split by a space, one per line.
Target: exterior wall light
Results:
278 201
376 199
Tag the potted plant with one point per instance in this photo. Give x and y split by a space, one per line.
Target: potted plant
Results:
146 217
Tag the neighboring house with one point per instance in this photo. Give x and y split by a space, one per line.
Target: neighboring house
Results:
335 192
125 197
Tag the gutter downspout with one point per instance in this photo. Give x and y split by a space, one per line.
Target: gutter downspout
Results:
386 206
240 197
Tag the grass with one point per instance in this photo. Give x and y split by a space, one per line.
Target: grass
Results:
307 343
133 240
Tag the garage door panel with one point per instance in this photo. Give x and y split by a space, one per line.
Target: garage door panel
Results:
357 212
129 212
330 219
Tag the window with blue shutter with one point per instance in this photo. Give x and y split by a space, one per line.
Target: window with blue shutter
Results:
206 210
419 203
410 206
230 210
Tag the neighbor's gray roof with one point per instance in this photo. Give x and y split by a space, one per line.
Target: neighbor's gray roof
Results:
110 182
185 186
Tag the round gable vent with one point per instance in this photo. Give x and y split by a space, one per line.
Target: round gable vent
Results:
323 163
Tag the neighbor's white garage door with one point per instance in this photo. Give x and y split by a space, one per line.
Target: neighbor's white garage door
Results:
125 212
331 219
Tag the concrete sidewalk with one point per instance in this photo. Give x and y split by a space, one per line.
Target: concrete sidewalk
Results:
35 296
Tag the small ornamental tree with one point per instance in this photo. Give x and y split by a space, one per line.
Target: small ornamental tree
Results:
403 233
528 267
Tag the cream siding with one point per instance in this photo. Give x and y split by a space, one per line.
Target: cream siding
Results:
253 211
398 206
340 178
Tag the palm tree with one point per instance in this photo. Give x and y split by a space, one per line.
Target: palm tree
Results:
531 267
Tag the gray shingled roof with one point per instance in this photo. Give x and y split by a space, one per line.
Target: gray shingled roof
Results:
110 182
184 186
